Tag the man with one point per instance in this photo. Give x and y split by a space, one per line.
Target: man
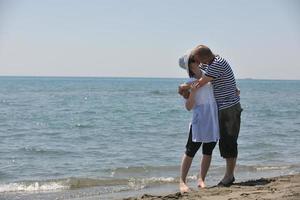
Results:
219 73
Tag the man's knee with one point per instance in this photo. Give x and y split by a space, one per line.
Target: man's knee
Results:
228 149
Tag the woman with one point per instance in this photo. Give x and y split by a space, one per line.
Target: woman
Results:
204 127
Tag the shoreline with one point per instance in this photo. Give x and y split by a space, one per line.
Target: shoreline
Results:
278 188
281 187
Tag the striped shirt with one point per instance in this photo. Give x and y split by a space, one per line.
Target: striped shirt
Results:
223 82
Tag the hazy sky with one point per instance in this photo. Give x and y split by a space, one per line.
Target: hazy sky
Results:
259 38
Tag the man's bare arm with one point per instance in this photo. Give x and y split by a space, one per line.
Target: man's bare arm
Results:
202 81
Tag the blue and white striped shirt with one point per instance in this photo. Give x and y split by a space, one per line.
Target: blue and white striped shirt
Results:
223 82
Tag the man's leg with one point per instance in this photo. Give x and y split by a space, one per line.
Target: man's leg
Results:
229 174
229 122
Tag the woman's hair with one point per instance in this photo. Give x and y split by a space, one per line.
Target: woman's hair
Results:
191 60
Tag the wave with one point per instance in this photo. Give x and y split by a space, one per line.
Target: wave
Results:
135 178
77 183
31 186
135 170
158 93
83 126
175 168
258 168
264 168
38 150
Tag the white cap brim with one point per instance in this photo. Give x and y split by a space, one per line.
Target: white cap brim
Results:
184 60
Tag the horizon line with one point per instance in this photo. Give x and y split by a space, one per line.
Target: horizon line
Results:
150 77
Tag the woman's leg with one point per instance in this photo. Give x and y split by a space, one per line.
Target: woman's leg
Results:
191 150
205 163
184 170
207 150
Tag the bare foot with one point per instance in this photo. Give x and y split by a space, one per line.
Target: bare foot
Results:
183 187
201 183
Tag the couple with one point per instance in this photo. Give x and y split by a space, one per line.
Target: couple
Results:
212 95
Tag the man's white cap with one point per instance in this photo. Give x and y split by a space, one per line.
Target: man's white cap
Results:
184 60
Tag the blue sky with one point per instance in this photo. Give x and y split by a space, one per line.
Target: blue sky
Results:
139 38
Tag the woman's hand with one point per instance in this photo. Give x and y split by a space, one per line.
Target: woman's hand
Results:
183 87
190 103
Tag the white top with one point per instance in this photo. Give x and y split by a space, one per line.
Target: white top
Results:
205 122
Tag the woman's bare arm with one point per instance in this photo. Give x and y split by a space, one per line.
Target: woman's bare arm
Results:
190 102
185 86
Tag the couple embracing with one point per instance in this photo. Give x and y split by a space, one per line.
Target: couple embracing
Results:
211 93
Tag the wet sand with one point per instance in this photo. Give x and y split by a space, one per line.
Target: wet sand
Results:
279 188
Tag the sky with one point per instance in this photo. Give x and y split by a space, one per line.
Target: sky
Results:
138 38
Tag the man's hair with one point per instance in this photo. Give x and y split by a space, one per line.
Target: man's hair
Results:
203 51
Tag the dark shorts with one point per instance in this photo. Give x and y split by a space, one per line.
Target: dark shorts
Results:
229 122
193 147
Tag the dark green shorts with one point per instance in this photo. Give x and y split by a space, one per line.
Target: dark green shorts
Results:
229 122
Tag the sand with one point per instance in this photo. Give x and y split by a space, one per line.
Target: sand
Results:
279 188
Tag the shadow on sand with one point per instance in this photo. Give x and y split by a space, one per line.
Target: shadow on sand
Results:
262 181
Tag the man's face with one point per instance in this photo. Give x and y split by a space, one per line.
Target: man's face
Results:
199 60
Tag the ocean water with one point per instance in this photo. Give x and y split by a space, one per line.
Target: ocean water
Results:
116 137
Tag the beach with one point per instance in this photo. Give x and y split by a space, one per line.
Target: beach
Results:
283 187
125 100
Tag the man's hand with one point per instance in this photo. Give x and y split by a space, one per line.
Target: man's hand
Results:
238 91
194 87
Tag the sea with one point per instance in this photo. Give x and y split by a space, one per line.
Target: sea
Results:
112 138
